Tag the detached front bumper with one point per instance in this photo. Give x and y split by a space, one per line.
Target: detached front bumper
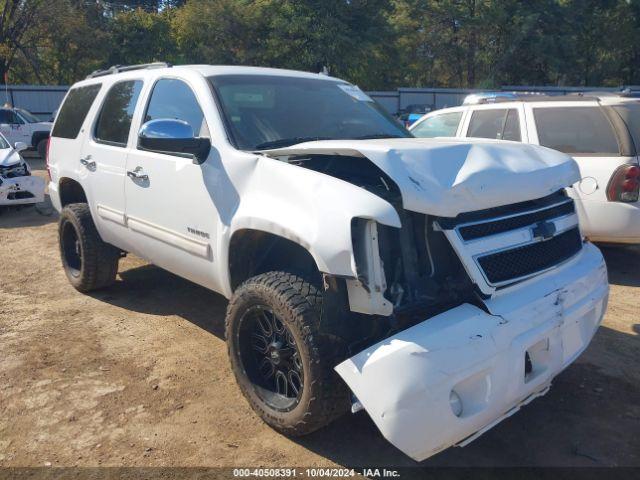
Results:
406 381
21 190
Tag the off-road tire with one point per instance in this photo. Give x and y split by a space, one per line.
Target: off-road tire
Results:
298 304
98 264
42 148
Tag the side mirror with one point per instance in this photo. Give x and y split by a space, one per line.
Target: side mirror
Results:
20 146
173 137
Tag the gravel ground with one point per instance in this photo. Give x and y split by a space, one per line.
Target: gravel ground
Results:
137 375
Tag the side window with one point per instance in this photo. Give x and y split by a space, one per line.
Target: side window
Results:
576 130
172 98
114 120
443 125
501 124
9 117
74 110
15 118
512 126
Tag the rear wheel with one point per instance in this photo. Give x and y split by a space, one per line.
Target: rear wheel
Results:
282 361
88 262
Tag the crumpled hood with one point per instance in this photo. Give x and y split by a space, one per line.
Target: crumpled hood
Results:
449 177
8 157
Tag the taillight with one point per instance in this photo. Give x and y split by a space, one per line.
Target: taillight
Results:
46 158
624 185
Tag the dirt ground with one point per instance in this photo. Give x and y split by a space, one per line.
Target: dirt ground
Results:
137 375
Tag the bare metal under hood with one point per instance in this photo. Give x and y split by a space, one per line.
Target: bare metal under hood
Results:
449 177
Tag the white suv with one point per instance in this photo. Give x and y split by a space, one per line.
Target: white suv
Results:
601 131
439 285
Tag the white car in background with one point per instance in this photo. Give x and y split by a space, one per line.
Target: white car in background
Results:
17 185
20 125
600 131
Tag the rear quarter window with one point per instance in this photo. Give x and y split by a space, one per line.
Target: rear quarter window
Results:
74 110
576 130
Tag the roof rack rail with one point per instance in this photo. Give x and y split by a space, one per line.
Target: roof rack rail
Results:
495 97
126 68
623 92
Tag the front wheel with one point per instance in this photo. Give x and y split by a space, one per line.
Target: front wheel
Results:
282 362
88 261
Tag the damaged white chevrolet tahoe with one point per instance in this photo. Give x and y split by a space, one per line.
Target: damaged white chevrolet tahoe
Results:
439 285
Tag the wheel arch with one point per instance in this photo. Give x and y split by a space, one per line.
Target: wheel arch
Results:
71 191
254 251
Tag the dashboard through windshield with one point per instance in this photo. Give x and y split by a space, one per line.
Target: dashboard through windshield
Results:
263 112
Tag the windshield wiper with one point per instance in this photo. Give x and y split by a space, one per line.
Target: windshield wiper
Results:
378 135
287 142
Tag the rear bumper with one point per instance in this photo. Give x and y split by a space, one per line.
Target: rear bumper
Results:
405 381
21 191
611 222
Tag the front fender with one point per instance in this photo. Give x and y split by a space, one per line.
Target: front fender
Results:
311 209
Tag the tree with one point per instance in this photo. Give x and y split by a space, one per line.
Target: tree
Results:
68 41
139 36
347 37
377 44
218 31
17 18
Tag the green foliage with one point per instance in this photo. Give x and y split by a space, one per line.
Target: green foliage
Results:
139 36
377 44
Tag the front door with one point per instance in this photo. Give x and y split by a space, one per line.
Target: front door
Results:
170 210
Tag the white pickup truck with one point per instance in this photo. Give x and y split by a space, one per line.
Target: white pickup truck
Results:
439 285
19 125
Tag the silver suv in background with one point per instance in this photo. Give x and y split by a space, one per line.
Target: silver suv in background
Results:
600 131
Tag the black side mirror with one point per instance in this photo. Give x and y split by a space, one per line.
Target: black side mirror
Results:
174 137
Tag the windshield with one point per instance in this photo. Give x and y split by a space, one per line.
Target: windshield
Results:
263 111
630 113
3 143
28 116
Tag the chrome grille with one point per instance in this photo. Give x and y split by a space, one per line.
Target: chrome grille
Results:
478 230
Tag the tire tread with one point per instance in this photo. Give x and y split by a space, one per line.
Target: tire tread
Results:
330 396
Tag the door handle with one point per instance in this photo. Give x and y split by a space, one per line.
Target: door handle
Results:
87 162
137 174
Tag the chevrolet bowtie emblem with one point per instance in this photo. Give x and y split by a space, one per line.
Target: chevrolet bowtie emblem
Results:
543 230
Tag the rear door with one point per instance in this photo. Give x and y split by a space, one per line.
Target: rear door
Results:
499 122
104 156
